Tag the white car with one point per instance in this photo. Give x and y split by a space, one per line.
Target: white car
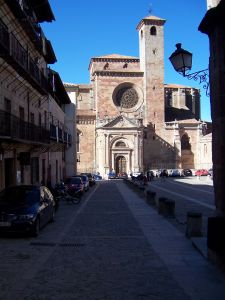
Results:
135 174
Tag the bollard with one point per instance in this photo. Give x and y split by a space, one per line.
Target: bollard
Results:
141 190
161 205
194 224
169 209
150 196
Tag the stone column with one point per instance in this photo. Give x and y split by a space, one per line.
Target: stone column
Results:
136 166
140 151
106 150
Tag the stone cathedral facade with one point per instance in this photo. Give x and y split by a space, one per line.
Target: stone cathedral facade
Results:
128 119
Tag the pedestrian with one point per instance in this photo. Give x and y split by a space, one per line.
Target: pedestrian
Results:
163 175
151 175
148 176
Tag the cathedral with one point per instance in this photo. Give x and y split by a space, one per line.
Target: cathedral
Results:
129 120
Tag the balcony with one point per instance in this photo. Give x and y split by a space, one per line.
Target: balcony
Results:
59 135
25 10
17 56
14 129
41 9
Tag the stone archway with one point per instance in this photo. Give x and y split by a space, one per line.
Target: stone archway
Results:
120 164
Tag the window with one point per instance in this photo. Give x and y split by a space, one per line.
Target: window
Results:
120 144
78 142
126 97
32 118
34 170
21 112
22 124
45 119
7 105
153 30
39 119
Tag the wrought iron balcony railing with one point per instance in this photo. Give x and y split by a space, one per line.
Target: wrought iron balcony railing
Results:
59 135
25 15
16 55
13 128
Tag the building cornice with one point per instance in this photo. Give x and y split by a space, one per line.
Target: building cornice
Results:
119 73
151 20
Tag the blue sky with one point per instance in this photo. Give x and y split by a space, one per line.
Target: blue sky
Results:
84 29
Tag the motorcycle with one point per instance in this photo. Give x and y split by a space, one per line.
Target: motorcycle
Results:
63 194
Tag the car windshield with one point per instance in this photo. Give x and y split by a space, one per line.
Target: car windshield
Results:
20 194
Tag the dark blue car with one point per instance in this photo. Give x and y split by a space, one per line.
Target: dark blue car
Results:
26 209
112 175
97 177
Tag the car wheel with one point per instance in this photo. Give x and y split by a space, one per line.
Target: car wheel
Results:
36 227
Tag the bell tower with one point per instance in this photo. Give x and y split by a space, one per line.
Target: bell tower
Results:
151 52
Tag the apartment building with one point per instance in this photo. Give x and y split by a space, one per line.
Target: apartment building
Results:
37 118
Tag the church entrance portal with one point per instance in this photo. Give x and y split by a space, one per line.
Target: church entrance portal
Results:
121 164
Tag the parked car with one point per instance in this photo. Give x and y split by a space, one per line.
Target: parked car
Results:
97 177
187 172
201 172
74 184
150 175
122 175
112 175
90 178
136 174
164 173
158 172
174 173
26 209
85 182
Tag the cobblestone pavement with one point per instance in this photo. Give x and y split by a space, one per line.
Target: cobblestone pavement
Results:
112 246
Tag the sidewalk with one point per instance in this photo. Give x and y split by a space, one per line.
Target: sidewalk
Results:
192 272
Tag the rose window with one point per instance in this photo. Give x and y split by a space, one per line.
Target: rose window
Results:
127 97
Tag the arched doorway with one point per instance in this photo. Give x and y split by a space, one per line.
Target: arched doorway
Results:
121 164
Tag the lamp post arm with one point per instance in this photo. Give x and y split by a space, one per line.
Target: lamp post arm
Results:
203 77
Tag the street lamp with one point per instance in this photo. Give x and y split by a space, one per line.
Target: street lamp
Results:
182 62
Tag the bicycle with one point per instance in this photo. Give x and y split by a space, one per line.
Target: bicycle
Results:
63 194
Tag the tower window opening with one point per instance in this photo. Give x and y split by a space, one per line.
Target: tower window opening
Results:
153 30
